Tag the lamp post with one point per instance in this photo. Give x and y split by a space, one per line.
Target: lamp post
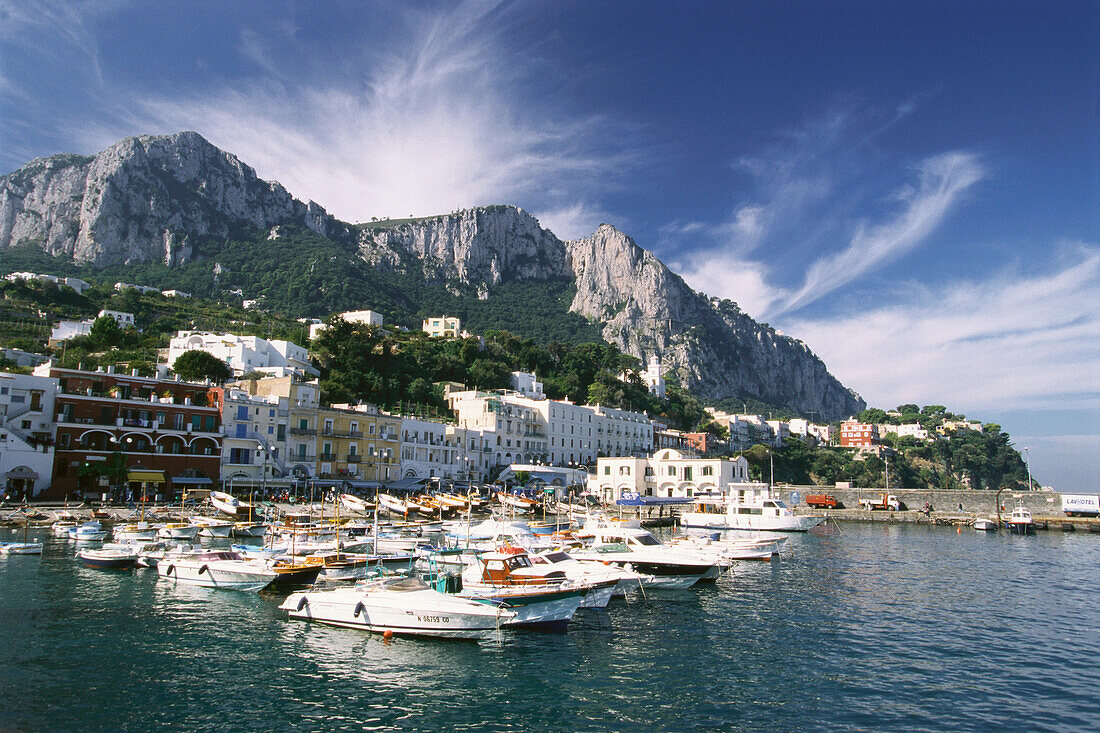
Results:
261 452
1027 458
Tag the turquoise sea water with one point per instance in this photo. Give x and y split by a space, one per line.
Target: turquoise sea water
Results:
874 628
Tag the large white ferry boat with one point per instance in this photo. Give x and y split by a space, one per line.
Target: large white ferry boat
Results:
746 506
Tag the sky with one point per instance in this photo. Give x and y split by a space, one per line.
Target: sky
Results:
911 188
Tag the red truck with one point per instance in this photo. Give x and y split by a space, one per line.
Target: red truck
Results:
822 501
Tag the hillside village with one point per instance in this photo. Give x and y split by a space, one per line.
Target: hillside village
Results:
83 417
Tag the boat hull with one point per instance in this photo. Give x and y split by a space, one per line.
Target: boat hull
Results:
228 575
21 548
405 615
551 610
107 560
749 522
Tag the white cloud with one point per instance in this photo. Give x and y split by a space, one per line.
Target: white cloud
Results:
942 179
576 220
1017 341
436 114
723 276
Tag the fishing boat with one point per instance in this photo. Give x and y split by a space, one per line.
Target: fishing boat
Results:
184 531
405 606
216 569
1020 521
140 531
746 506
248 529
354 504
212 526
108 558
231 505
393 505
517 503
296 571
985 525
26 547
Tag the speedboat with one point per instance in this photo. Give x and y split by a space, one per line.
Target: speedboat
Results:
212 526
1020 521
629 544
216 569
985 525
743 548
746 506
548 601
108 558
88 532
588 571
406 606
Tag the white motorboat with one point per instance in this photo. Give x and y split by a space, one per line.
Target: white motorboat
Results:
1020 521
62 526
216 569
136 532
762 547
212 526
746 506
88 532
985 525
231 505
626 543
112 558
184 531
406 606
605 580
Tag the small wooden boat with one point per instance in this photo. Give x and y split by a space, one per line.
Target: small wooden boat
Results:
231 505
297 571
354 504
985 525
21 548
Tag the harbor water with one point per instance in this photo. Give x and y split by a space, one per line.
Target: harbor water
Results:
873 627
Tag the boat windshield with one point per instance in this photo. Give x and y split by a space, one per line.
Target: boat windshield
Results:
646 539
554 557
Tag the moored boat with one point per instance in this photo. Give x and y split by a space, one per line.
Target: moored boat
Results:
216 569
985 525
405 606
746 506
21 548
231 505
547 601
108 559
1020 521
88 532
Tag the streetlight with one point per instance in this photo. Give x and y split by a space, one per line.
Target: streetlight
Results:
1027 458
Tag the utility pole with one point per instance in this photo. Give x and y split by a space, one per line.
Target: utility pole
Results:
1027 456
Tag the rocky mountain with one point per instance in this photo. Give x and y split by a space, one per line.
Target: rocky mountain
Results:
159 199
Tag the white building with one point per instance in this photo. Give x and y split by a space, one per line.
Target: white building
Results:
27 429
367 318
65 330
528 385
175 294
121 286
428 449
244 353
71 282
557 432
667 473
442 327
911 430
653 377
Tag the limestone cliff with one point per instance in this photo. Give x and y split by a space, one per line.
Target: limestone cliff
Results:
143 199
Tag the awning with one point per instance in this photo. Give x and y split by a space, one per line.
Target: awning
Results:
632 499
191 481
22 472
146 475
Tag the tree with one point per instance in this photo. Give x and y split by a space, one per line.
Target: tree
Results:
196 365
105 332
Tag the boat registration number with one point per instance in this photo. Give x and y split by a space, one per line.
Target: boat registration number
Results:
433 619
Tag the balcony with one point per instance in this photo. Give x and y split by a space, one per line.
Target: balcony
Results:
327 457
302 431
354 458
294 458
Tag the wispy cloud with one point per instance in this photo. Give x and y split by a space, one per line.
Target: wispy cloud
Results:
1019 340
437 114
942 180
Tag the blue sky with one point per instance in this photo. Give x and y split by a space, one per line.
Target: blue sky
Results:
911 188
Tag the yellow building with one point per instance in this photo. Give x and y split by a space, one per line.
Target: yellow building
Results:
357 443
